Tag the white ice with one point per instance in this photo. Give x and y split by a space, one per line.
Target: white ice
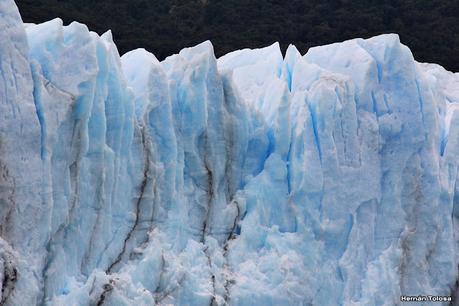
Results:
328 178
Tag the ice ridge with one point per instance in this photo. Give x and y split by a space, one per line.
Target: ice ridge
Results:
328 178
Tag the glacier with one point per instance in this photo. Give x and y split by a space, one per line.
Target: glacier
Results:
328 178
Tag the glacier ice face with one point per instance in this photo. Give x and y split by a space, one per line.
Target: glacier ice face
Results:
252 179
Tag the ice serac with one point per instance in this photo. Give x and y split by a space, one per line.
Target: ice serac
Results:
328 178
23 215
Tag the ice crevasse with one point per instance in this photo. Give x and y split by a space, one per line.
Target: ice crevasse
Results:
328 178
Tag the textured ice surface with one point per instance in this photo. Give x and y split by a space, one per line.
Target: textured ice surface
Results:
254 179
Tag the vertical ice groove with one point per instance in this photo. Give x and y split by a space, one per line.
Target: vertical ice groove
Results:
137 204
323 179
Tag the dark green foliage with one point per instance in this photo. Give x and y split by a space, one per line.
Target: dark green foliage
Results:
429 27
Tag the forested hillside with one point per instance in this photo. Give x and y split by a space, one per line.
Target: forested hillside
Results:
429 27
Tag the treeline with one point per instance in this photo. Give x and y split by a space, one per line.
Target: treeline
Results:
429 27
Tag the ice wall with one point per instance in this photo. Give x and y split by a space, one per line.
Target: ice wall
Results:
254 179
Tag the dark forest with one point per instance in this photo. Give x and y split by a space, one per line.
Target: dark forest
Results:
429 27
